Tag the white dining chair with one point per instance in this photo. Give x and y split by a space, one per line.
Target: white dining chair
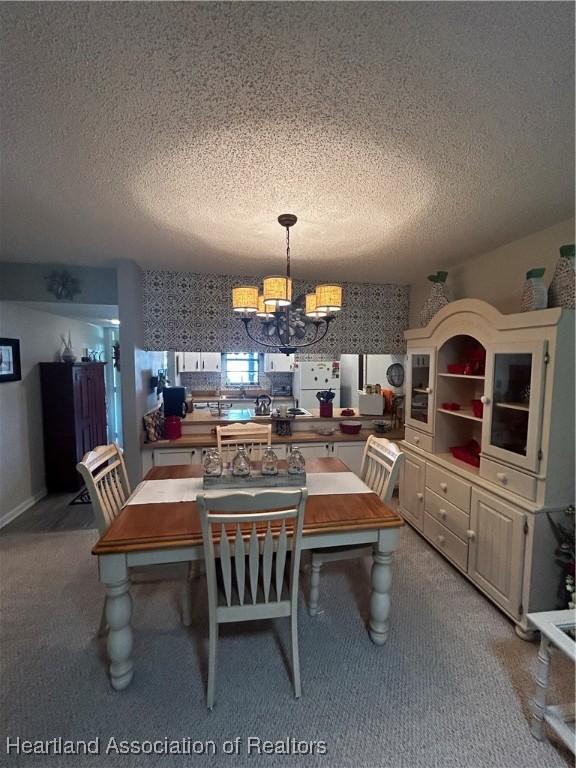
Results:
254 437
381 464
104 473
251 545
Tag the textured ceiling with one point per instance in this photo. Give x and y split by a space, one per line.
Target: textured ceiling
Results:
405 136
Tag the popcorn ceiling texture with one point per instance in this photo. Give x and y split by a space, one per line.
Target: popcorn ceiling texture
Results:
405 136
189 312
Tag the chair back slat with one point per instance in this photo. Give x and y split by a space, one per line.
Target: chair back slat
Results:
253 437
254 558
239 563
225 564
281 550
104 473
380 466
260 521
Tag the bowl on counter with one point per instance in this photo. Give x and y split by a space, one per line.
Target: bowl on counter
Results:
325 431
381 426
350 427
348 412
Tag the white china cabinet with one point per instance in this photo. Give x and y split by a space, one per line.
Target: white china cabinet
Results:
490 446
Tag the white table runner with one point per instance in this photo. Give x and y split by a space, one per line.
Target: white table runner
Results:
168 491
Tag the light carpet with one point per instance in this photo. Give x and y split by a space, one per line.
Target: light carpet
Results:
450 689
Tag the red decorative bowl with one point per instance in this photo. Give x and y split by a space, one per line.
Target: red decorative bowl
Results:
350 427
451 406
455 367
477 408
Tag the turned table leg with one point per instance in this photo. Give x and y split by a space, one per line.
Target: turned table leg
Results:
381 580
539 704
314 586
114 574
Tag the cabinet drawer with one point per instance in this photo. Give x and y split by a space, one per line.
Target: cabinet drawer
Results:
448 487
418 439
449 544
450 516
510 479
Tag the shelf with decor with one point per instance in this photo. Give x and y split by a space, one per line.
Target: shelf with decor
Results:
513 406
462 376
463 414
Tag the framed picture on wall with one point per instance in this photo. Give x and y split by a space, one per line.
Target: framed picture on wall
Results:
10 360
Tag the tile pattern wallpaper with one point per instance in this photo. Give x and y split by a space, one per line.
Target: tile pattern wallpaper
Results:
190 312
209 382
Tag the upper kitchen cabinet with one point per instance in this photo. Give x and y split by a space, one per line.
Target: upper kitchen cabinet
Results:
419 388
278 363
198 362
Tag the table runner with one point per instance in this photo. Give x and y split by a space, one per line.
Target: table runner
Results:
168 491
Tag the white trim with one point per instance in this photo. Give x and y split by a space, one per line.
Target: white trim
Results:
12 514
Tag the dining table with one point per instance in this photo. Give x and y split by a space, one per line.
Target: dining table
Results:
160 524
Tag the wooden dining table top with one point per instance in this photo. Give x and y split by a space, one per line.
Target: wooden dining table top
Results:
177 524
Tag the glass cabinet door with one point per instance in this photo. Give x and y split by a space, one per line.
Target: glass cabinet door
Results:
419 395
513 403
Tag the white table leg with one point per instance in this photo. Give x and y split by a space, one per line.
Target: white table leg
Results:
539 704
314 585
381 580
114 573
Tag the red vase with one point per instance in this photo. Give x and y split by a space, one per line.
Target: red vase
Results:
173 428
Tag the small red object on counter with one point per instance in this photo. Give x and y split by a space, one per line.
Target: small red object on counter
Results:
172 428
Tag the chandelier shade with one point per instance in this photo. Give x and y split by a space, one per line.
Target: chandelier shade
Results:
263 310
283 324
245 299
277 291
311 308
328 298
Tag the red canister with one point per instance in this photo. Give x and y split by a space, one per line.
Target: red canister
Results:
172 427
326 410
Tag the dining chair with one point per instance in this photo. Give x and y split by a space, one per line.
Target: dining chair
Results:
240 527
380 467
104 473
255 437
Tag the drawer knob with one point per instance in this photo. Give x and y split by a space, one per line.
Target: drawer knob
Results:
419 496
441 539
428 390
443 514
444 486
485 400
416 440
502 477
471 535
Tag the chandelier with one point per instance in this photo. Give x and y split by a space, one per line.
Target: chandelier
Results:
284 323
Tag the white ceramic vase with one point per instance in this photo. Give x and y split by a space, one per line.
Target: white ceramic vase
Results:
562 288
437 298
535 294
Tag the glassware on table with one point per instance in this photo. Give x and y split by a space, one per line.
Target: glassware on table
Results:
296 461
213 464
269 462
241 463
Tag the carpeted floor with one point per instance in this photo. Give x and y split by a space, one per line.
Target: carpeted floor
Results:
450 689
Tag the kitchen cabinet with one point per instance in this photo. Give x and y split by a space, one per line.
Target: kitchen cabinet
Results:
167 457
312 450
419 388
278 363
350 453
198 362
412 475
496 557
498 391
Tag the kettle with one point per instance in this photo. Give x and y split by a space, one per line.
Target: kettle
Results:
262 407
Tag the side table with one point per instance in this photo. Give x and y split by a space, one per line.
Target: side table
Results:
554 629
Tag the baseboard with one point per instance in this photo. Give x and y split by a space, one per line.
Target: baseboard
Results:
17 511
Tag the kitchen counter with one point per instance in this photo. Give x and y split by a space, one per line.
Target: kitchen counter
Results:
208 440
203 416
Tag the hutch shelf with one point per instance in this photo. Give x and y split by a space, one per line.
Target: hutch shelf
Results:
489 446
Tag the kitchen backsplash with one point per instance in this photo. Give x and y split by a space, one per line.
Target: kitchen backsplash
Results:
189 312
212 381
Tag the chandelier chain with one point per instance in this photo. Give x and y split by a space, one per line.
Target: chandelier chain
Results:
287 251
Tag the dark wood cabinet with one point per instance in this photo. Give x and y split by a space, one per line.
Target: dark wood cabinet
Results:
74 418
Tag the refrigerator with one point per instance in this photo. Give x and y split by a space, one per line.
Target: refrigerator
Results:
310 378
